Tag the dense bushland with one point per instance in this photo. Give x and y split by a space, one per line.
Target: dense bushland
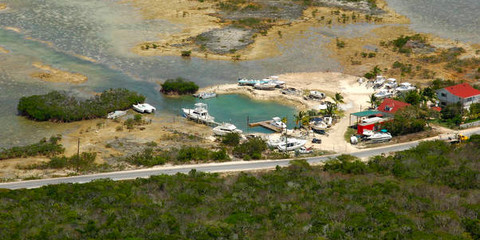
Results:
157 156
429 192
179 86
44 147
58 106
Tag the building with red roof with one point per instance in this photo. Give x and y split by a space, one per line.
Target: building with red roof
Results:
462 93
390 106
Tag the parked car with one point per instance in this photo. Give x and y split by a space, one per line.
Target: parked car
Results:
319 131
304 150
316 140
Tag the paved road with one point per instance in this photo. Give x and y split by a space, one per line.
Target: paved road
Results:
210 167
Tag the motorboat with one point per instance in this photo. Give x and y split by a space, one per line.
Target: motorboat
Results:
251 82
379 81
265 86
317 95
319 125
206 95
277 122
291 145
144 108
380 137
304 150
274 80
322 106
116 114
383 94
199 113
225 128
391 83
405 87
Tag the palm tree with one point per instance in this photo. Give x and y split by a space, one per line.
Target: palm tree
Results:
338 98
299 117
373 101
330 111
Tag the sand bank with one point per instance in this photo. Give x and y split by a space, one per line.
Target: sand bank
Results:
50 74
198 17
3 50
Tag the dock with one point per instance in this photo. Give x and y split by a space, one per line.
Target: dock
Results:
266 124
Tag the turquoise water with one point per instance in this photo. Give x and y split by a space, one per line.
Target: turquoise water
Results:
236 108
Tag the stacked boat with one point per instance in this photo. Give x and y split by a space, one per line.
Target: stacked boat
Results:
269 83
226 128
405 87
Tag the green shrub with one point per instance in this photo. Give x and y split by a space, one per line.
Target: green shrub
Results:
83 162
251 149
179 86
346 164
58 106
44 147
231 139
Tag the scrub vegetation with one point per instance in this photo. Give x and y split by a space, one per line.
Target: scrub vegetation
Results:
60 107
179 86
429 192
44 147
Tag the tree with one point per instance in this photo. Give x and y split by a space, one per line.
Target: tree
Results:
410 119
338 98
373 101
331 108
298 117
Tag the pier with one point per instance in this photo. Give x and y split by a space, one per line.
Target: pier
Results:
266 124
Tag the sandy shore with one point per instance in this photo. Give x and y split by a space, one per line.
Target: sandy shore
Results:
50 74
3 50
3 6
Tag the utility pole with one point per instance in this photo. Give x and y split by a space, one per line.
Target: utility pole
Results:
78 155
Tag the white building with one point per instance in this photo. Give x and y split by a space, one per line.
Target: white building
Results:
463 93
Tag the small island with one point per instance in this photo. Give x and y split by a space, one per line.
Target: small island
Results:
178 86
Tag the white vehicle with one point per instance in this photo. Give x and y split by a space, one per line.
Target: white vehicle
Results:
292 145
405 87
380 137
199 113
225 128
391 83
144 108
116 114
277 122
317 95
379 81
383 94
328 120
304 150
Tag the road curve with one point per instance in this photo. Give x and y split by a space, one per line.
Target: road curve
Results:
211 167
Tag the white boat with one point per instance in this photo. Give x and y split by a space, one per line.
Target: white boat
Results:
304 150
116 114
277 122
380 137
317 94
265 86
405 87
379 81
251 82
205 95
391 83
319 125
199 113
328 120
144 108
225 128
383 94
291 145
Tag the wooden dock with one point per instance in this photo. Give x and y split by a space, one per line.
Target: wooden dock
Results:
266 124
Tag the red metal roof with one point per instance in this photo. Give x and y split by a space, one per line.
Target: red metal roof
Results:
463 90
391 106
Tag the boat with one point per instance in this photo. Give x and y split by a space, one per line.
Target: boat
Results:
379 81
225 128
391 83
206 95
291 144
380 137
277 122
405 87
199 113
251 82
144 108
328 120
383 94
116 114
265 86
319 126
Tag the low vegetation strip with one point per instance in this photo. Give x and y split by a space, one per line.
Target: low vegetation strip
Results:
44 147
58 106
425 193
